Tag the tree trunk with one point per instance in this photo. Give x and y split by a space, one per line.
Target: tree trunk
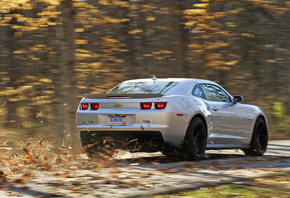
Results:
68 102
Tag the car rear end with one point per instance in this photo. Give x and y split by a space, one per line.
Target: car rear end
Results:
135 121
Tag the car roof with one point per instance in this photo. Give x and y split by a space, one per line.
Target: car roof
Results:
192 80
184 85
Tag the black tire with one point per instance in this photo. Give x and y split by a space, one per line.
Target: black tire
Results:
259 142
195 140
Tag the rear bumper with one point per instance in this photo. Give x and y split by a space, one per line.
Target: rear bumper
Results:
149 141
171 135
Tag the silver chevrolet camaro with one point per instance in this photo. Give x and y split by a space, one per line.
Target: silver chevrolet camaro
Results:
173 115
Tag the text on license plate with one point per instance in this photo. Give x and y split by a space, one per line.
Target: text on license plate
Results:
117 120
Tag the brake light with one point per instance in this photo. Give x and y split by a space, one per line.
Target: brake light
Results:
146 105
94 106
160 105
84 106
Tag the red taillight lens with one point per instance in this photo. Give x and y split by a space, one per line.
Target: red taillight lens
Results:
146 105
84 106
160 105
94 106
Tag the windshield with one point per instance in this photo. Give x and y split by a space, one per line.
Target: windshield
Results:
144 87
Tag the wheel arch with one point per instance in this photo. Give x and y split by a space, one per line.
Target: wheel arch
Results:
195 149
254 125
264 118
198 115
258 145
261 116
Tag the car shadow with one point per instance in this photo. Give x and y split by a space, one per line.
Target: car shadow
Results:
163 159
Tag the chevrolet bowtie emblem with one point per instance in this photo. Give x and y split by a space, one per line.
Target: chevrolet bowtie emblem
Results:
117 105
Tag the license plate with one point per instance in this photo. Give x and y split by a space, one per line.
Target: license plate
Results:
117 120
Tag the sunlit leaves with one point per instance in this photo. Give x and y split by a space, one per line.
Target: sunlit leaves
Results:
113 40
151 18
28 23
79 30
7 5
135 31
80 42
160 55
279 109
202 22
194 12
53 2
27 92
232 63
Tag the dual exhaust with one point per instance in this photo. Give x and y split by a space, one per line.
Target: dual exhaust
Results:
152 140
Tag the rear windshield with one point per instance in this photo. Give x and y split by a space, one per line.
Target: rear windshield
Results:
144 87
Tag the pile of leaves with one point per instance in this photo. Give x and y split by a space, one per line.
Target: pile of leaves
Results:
44 156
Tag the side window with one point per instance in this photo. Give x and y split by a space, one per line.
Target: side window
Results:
197 91
215 93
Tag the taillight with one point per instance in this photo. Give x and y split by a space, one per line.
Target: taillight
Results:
94 106
84 106
146 105
160 105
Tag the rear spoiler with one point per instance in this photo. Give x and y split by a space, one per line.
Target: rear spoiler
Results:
112 96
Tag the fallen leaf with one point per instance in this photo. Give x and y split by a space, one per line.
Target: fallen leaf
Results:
109 152
115 170
27 175
19 181
2 176
26 149
47 166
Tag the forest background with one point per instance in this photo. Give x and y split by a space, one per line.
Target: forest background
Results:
54 51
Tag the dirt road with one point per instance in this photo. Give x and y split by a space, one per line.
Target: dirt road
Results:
132 175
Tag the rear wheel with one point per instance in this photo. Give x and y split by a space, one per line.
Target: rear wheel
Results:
259 140
195 140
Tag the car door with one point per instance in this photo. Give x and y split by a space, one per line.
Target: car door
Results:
229 122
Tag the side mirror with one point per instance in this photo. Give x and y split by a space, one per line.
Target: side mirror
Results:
238 99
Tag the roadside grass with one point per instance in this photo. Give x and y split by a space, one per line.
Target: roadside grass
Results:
268 187
222 191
